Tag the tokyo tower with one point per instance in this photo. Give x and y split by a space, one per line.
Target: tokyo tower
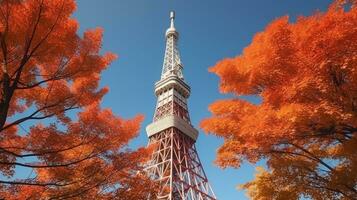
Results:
175 163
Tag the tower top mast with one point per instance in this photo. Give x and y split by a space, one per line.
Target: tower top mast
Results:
172 29
172 62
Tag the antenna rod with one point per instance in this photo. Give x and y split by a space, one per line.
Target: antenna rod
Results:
172 17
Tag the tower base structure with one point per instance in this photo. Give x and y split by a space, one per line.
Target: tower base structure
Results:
177 167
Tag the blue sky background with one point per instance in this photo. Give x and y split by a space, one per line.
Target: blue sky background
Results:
209 31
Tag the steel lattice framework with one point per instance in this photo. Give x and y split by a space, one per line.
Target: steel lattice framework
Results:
175 163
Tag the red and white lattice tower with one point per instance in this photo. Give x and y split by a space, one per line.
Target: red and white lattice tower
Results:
175 163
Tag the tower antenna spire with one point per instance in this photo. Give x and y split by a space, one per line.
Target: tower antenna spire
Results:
172 62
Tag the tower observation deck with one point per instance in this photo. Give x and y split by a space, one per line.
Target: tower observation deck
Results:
175 163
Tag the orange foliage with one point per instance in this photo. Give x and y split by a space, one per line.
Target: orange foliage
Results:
306 126
46 71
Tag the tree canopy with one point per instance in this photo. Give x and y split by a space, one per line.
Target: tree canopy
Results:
305 72
48 74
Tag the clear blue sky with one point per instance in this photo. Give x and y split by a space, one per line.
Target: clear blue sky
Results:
209 31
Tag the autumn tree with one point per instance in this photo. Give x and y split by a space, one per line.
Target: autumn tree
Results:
48 70
305 73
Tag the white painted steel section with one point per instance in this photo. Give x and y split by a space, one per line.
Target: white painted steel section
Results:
172 82
172 121
172 63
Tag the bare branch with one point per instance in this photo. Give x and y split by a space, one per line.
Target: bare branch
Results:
32 116
90 156
5 150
